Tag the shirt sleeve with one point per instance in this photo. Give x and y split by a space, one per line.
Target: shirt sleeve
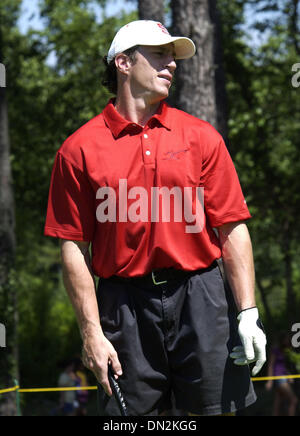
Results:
71 203
224 201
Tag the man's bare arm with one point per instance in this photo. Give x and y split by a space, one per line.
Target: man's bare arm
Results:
80 285
238 263
239 267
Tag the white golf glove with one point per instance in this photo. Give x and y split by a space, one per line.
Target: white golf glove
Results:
253 339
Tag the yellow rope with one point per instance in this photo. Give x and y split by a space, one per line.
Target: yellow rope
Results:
5 391
91 388
17 388
88 388
279 377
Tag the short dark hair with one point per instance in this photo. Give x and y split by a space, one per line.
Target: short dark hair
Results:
110 80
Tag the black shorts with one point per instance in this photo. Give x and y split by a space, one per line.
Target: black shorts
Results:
174 340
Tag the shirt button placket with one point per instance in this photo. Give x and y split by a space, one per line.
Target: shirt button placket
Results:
146 148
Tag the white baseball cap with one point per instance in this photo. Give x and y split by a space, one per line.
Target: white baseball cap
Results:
147 32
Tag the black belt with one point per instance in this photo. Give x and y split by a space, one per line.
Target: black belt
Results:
161 276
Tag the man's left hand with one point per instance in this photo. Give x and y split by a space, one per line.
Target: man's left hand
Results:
253 339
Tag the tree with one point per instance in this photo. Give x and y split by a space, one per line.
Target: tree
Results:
8 314
220 76
151 10
200 84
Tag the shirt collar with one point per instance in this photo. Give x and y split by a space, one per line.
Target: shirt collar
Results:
117 124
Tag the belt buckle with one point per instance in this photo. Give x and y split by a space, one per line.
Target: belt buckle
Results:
155 282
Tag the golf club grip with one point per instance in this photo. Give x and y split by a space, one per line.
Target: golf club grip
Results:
117 392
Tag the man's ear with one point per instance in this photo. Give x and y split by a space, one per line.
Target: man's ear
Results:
123 63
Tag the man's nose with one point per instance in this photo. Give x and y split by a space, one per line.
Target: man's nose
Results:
171 64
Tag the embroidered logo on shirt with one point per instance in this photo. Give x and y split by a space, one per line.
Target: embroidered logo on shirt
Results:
174 155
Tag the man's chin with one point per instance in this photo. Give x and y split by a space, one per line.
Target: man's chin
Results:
158 96
162 95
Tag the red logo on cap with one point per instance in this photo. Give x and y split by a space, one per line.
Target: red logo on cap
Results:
162 28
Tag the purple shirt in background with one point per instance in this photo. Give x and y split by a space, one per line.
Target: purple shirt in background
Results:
279 364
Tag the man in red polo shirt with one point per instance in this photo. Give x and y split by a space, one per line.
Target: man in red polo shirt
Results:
155 194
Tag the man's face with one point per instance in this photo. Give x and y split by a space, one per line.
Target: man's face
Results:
152 72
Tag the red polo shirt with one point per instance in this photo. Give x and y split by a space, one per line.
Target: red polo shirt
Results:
146 198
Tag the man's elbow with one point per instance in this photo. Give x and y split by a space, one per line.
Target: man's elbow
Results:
228 228
236 233
73 251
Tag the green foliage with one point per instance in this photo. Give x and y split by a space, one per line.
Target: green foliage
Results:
264 140
47 326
